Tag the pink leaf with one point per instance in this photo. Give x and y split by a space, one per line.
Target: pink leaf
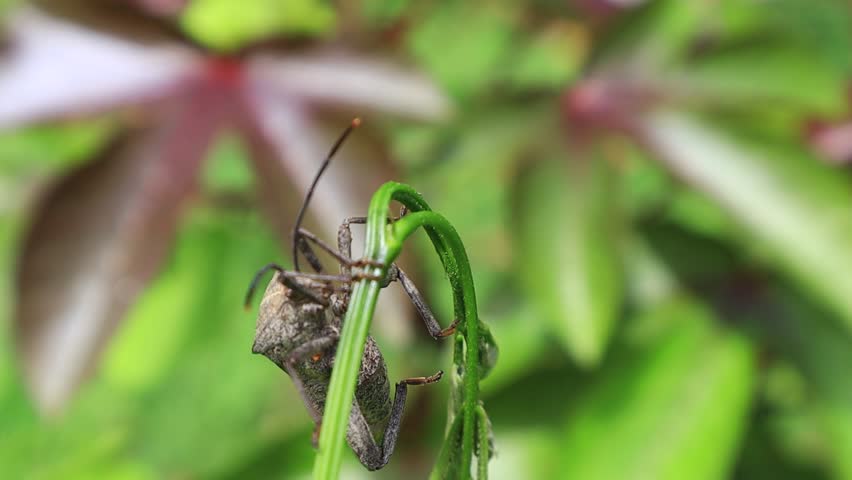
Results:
359 83
55 69
97 239
833 142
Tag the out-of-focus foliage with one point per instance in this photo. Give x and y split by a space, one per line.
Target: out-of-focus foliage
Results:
571 268
655 197
100 233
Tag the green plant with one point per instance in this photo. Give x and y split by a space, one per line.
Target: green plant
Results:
475 350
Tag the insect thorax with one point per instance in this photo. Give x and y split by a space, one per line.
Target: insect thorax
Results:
287 320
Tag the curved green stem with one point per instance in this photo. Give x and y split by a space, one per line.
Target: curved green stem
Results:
383 244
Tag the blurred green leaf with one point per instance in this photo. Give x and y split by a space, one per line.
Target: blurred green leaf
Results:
797 209
42 149
167 312
10 228
655 34
551 58
525 453
237 402
700 214
762 458
463 45
648 279
824 28
524 345
761 76
818 346
225 25
469 172
646 187
700 262
179 391
675 411
179 395
384 11
227 168
552 390
568 254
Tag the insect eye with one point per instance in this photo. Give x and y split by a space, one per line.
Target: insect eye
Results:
316 357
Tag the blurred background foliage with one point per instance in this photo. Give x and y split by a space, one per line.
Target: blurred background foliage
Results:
656 201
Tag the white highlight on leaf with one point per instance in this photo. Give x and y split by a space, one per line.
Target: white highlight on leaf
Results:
358 82
807 233
56 372
55 68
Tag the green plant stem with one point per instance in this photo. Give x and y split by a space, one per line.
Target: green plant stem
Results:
448 449
452 253
484 447
383 244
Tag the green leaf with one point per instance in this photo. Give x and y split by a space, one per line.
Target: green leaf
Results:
654 34
837 418
470 176
225 25
227 169
46 149
551 58
524 343
527 453
818 347
567 252
675 410
797 210
761 76
383 13
237 403
463 45
824 28
166 312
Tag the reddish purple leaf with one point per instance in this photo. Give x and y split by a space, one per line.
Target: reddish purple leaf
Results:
162 8
146 20
97 239
56 69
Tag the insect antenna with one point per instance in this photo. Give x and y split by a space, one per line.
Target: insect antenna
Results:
296 235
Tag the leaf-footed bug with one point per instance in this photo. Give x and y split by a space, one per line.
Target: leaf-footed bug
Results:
299 325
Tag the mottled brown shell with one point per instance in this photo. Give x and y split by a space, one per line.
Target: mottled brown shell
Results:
288 320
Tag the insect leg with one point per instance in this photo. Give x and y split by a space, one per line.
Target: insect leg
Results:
360 437
343 259
344 233
314 346
308 252
288 279
344 248
344 236
422 307
392 430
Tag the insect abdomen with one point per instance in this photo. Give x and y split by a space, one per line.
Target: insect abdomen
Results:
373 390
